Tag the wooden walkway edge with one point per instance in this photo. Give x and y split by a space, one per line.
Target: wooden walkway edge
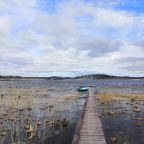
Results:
89 129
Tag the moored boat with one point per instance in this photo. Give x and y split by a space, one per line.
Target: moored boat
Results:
83 89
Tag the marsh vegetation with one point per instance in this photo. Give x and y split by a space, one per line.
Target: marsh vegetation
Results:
122 114
32 115
42 111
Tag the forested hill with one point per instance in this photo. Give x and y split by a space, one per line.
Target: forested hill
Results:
91 76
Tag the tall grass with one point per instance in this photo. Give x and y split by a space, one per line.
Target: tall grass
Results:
108 97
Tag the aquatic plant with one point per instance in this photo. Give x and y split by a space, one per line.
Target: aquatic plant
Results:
65 122
136 109
56 124
25 115
109 97
110 113
113 139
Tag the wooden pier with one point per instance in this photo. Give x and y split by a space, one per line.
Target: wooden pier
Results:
89 129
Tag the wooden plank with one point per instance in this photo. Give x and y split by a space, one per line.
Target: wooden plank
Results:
89 130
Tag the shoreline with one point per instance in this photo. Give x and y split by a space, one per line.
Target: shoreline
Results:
25 79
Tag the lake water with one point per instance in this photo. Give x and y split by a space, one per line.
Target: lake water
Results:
58 93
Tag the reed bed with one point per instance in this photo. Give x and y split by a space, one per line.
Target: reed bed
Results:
31 115
109 97
122 115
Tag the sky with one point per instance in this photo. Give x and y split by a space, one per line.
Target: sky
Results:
71 37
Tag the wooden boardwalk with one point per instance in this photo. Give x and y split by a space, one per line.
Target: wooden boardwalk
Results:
89 129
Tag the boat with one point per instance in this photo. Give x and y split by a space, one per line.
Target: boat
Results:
83 89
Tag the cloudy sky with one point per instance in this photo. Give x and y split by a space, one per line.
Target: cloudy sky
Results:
71 37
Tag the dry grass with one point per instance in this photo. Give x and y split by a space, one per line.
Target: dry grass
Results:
108 97
23 91
32 107
20 97
135 97
71 96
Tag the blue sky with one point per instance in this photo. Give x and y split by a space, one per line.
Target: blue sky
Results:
134 5
71 37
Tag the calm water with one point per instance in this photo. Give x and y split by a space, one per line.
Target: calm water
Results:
61 88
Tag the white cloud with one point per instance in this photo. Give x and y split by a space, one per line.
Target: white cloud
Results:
77 37
4 26
114 19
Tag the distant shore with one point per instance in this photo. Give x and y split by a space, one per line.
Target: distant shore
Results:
83 77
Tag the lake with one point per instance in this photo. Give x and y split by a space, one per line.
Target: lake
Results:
47 111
